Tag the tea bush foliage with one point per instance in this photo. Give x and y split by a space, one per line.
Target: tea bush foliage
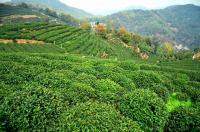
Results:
183 120
96 116
145 107
65 85
31 109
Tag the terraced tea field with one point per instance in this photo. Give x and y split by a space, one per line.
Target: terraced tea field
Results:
72 87
71 39
64 84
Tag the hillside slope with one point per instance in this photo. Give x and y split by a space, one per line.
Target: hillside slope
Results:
56 5
179 24
25 13
71 39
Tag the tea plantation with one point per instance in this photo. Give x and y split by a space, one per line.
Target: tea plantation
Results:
71 39
63 85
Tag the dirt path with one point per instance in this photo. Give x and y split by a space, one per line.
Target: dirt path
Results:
21 41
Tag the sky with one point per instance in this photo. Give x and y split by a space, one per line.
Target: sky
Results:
100 7
105 7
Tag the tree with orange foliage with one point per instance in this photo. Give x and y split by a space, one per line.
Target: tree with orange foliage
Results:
122 30
124 34
100 27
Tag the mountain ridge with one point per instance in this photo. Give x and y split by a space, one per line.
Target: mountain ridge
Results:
178 24
56 5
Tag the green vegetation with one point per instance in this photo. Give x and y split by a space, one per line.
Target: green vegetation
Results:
175 102
30 48
71 39
144 107
31 109
96 116
170 23
183 119
26 13
69 79
57 5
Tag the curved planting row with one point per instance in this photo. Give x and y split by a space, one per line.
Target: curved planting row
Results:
72 39
48 92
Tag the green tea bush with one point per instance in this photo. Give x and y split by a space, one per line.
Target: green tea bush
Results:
146 79
123 81
183 120
5 90
193 75
118 78
87 79
145 107
108 90
112 67
182 96
67 73
53 80
31 109
129 65
6 67
11 79
59 64
194 93
179 81
78 93
161 91
194 84
96 116
83 69
28 73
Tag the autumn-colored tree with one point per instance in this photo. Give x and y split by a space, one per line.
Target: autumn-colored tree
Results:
85 26
100 27
122 30
124 34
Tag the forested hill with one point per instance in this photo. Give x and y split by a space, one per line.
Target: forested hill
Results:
180 24
25 13
56 5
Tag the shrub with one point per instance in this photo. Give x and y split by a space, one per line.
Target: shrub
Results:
161 91
66 73
119 78
53 80
84 69
182 96
5 90
143 79
11 79
78 93
129 65
145 107
123 81
107 90
28 73
112 67
96 116
179 81
183 120
31 109
194 84
174 103
193 92
87 79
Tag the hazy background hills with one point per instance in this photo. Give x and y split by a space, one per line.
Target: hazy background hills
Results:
56 5
179 24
